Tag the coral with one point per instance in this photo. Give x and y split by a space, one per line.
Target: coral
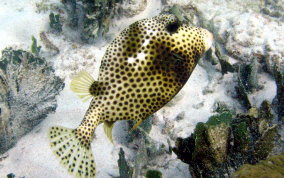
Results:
28 88
226 141
272 167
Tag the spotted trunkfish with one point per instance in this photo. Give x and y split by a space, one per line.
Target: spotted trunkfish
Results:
143 68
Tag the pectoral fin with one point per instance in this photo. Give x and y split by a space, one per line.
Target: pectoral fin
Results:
84 85
108 129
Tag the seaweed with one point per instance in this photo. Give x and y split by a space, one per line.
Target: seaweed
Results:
279 98
34 48
154 174
225 65
242 94
124 169
54 22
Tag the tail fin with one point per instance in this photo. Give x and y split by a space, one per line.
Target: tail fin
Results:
76 156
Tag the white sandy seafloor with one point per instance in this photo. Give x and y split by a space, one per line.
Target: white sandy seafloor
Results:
32 157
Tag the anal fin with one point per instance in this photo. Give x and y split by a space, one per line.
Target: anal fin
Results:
84 85
108 126
136 125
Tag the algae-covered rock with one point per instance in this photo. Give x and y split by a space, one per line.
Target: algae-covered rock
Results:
227 141
272 167
28 88
218 135
242 136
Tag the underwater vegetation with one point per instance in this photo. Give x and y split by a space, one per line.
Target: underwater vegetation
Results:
240 139
54 22
28 88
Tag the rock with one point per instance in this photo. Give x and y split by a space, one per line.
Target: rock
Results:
272 167
91 18
130 8
273 8
28 88
97 18
227 141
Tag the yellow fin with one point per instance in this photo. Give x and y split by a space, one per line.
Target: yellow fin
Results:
136 125
81 84
108 129
74 155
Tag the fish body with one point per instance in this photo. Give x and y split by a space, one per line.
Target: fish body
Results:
143 69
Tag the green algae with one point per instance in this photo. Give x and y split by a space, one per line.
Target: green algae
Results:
272 167
154 174
124 169
35 49
242 136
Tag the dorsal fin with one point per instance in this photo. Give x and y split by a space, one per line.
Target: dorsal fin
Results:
81 85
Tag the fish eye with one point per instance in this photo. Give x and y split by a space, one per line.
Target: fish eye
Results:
173 27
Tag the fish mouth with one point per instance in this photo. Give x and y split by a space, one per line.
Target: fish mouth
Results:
208 39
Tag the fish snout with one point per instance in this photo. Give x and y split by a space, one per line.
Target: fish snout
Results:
208 39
